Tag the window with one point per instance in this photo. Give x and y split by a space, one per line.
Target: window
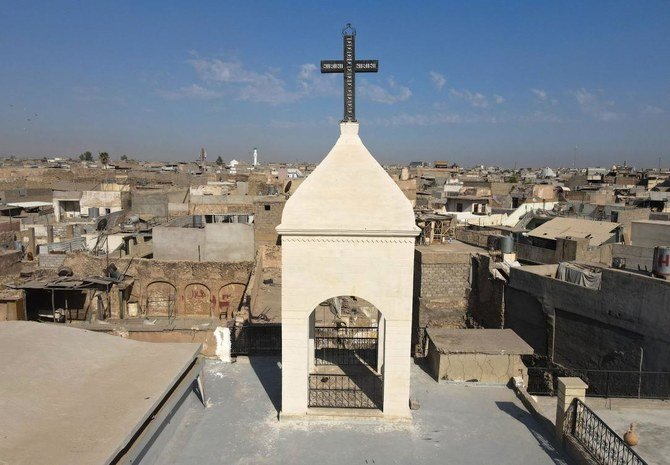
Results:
459 207
267 208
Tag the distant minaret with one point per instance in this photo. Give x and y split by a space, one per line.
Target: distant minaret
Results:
203 159
255 156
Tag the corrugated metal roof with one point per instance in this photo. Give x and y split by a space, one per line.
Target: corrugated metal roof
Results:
77 243
597 231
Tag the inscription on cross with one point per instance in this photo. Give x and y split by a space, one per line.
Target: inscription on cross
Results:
349 66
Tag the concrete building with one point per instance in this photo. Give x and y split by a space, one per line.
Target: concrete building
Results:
105 201
107 198
650 233
340 237
620 325
225 242
67 204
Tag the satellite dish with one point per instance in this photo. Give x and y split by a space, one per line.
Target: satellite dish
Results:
288 187
102 224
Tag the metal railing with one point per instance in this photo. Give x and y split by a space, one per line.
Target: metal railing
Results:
365 391
603 383
596 437
345 346
262 339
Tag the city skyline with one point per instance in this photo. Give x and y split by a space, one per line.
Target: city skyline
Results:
484 83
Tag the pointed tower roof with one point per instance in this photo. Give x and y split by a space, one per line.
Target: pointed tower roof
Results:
349 193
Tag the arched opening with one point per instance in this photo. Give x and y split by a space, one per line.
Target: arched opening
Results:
161 299
230 299
197 300
346 354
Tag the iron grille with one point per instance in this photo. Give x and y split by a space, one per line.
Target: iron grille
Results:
345 346
603 383
598 438
262 339
345 391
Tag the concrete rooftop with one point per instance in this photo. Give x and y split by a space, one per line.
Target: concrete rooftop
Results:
455 425
69 396
652 419
478 341
453 247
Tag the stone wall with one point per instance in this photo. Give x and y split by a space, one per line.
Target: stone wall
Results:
440 280
186 289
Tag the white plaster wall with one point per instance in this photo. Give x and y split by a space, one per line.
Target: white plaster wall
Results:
377 269
101 199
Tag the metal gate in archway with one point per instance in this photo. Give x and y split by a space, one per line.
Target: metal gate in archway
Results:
345 360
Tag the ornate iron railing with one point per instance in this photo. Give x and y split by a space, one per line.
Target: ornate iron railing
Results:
365 390
607 447
345 346
603 383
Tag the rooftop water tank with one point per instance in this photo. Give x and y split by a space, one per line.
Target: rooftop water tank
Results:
507 244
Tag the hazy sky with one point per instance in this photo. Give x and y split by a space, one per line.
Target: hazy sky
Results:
473 82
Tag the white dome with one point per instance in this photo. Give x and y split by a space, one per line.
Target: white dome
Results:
348 193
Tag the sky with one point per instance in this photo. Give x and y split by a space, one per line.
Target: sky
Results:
526 83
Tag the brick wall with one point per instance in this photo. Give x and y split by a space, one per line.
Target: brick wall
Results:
442 288
266 220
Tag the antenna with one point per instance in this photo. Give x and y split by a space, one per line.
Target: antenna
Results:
574 161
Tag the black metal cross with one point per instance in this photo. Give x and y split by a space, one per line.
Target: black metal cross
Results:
349 66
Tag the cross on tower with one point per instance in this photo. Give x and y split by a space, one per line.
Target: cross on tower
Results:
349 66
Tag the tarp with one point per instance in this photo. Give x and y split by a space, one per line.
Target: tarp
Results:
582 275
